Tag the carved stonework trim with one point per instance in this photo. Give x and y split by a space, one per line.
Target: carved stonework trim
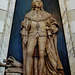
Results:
14 70
67 31
6 33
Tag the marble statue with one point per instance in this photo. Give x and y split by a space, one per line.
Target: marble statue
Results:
39 41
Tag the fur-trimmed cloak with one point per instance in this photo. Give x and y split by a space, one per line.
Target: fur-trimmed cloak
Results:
52 64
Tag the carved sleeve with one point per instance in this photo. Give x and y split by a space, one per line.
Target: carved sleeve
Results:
24 30
25 27
51 26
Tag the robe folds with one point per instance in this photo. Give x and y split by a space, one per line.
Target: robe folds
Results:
52 63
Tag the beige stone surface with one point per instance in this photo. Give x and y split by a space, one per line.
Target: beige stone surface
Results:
6 37
72 66
4 4
73 38
72 26
2 56
70 4
1 71
6 33
71 15
2 20
0 38
66 19
13 74
71 20
62 6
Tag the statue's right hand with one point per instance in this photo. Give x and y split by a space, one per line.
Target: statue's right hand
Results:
25 39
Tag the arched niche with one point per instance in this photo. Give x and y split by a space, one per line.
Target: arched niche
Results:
15 47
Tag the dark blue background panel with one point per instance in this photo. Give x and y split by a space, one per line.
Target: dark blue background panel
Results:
15 46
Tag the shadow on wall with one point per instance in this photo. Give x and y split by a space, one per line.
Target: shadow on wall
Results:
15 47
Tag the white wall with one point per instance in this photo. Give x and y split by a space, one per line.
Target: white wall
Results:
6 18
71 19
3 12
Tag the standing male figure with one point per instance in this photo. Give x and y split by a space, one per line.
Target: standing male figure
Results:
39 28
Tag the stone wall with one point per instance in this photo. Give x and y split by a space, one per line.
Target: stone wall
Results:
3 14
70 4
6 18
67 8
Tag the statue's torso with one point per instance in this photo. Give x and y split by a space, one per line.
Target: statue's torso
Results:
38 25
38 28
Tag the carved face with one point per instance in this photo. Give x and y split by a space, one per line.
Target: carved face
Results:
37 4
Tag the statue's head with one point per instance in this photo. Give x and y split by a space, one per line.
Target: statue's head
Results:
37 5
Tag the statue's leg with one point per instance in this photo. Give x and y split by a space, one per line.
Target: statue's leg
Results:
42 46
32 41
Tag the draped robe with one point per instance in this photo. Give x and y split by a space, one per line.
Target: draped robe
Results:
52 62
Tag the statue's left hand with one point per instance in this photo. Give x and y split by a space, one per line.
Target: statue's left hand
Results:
24 39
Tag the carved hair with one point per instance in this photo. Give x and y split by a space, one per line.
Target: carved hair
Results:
37 4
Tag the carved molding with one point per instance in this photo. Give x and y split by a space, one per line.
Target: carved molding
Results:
67 32
6 33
